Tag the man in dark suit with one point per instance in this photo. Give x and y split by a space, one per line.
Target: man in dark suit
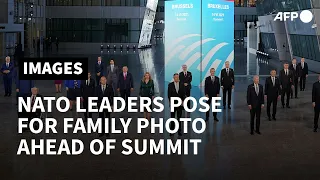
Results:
30 115
176 89
7 71
212 89
99 69
23 87
272 93
286 80
304 70
113 75
125 83
255 101
227 83
296 77
102 91
316 102
186 78
87 90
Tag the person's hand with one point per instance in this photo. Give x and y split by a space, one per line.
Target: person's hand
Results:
152 97
292 86
221 87
207 95
265 96
98 74
218 95
81 99
118 89
131 89
185 84
232 86
67 89
313 104
250 107
306 75
279 97
17 90
280 86
262 105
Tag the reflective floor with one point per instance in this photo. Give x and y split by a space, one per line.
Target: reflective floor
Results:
287 148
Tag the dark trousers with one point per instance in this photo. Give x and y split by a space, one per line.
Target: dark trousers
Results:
274 102
316 117
125 93
98 79
295 83
85 105
178 111
285 91
208 112
188 93
105 114
255 113
303 82
225 91
7 82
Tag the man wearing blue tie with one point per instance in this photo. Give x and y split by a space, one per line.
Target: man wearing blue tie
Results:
73 88
99 69
7 70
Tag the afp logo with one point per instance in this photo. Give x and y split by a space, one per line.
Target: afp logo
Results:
305 16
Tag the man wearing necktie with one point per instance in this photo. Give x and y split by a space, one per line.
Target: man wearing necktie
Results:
125 83
186 78
99 69
286 84
212 89
104 91
87 90
176 89
23 87
255 101
296 77
316 102
227 83
304 70
272 93
7 71
112 75
73 88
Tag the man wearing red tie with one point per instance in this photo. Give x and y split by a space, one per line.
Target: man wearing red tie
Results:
186 77
125 83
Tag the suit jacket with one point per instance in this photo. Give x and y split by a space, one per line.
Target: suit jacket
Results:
305 70
270 90
125 83
24 86
99 68
107 93
172 92
212 89
113 75
87 90
38 112
296 72
186 79
10 68
286 81
227 81
316 94
252 98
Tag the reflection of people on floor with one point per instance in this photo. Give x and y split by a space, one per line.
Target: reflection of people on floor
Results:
212 89
255 101
147 90
7 71
316 102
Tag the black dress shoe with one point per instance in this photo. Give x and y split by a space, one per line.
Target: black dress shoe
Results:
101 135
224 107
107 134
282 106
288 107
251 132
5 95
216 119
258 132
171 134
9 95
229 107
179 133
297 98
274 118
269 118
207 119
315 130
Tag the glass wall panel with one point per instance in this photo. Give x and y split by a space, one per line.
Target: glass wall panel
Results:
305 46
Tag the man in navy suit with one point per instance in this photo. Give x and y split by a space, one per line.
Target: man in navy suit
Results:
104 91
212 89
125 83
7 71
23 87
255 101
99 69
